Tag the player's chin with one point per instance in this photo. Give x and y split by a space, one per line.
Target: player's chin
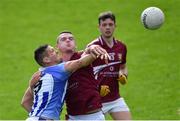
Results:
70 48
109 35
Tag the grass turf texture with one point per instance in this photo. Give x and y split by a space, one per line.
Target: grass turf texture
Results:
153 90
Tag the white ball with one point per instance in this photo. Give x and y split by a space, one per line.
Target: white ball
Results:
152 18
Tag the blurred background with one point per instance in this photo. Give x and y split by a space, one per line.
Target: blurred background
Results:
153 59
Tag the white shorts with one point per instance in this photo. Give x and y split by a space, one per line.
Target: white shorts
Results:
115 106
94 116
32 118
35 118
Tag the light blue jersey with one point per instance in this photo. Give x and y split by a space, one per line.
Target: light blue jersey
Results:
49 92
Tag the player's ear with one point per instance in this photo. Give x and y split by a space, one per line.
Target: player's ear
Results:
46 60
57 45
98 26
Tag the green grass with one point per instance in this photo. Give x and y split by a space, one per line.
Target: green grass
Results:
153 90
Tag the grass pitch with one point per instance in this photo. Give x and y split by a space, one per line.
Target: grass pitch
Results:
153 90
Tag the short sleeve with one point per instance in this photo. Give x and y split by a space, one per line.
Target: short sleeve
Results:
58 71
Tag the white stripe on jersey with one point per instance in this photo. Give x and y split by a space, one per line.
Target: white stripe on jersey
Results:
97 69
64 93
101 41
46 88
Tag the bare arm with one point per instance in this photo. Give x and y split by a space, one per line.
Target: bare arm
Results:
123 73
79 63
27 100
34 79
123 70
97 51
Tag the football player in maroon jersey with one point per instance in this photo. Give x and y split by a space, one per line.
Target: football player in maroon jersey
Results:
83 100
116 71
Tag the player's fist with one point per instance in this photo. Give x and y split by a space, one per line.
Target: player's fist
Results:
122 79
104 90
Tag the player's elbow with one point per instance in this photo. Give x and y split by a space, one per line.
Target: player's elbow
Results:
23 103
26 105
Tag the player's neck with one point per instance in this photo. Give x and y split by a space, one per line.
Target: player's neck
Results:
50 64
66 56
108 41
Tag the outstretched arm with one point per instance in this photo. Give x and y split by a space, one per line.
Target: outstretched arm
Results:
79 63
27 100
97 51
90 54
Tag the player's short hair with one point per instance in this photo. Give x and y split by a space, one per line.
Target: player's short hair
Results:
40 53
66 31
105 15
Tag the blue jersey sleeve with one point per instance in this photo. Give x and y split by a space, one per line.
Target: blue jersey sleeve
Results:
58 71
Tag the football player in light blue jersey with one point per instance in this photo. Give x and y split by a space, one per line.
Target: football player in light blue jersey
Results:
50 90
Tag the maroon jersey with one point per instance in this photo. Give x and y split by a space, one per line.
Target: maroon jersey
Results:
108 74
82 93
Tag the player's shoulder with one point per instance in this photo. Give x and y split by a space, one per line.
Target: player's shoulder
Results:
46 76
120 42
95 41
61 64
79 53
54 67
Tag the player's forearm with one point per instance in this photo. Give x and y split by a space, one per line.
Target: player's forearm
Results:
74 65
27 100
124 70
27 107
86 60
